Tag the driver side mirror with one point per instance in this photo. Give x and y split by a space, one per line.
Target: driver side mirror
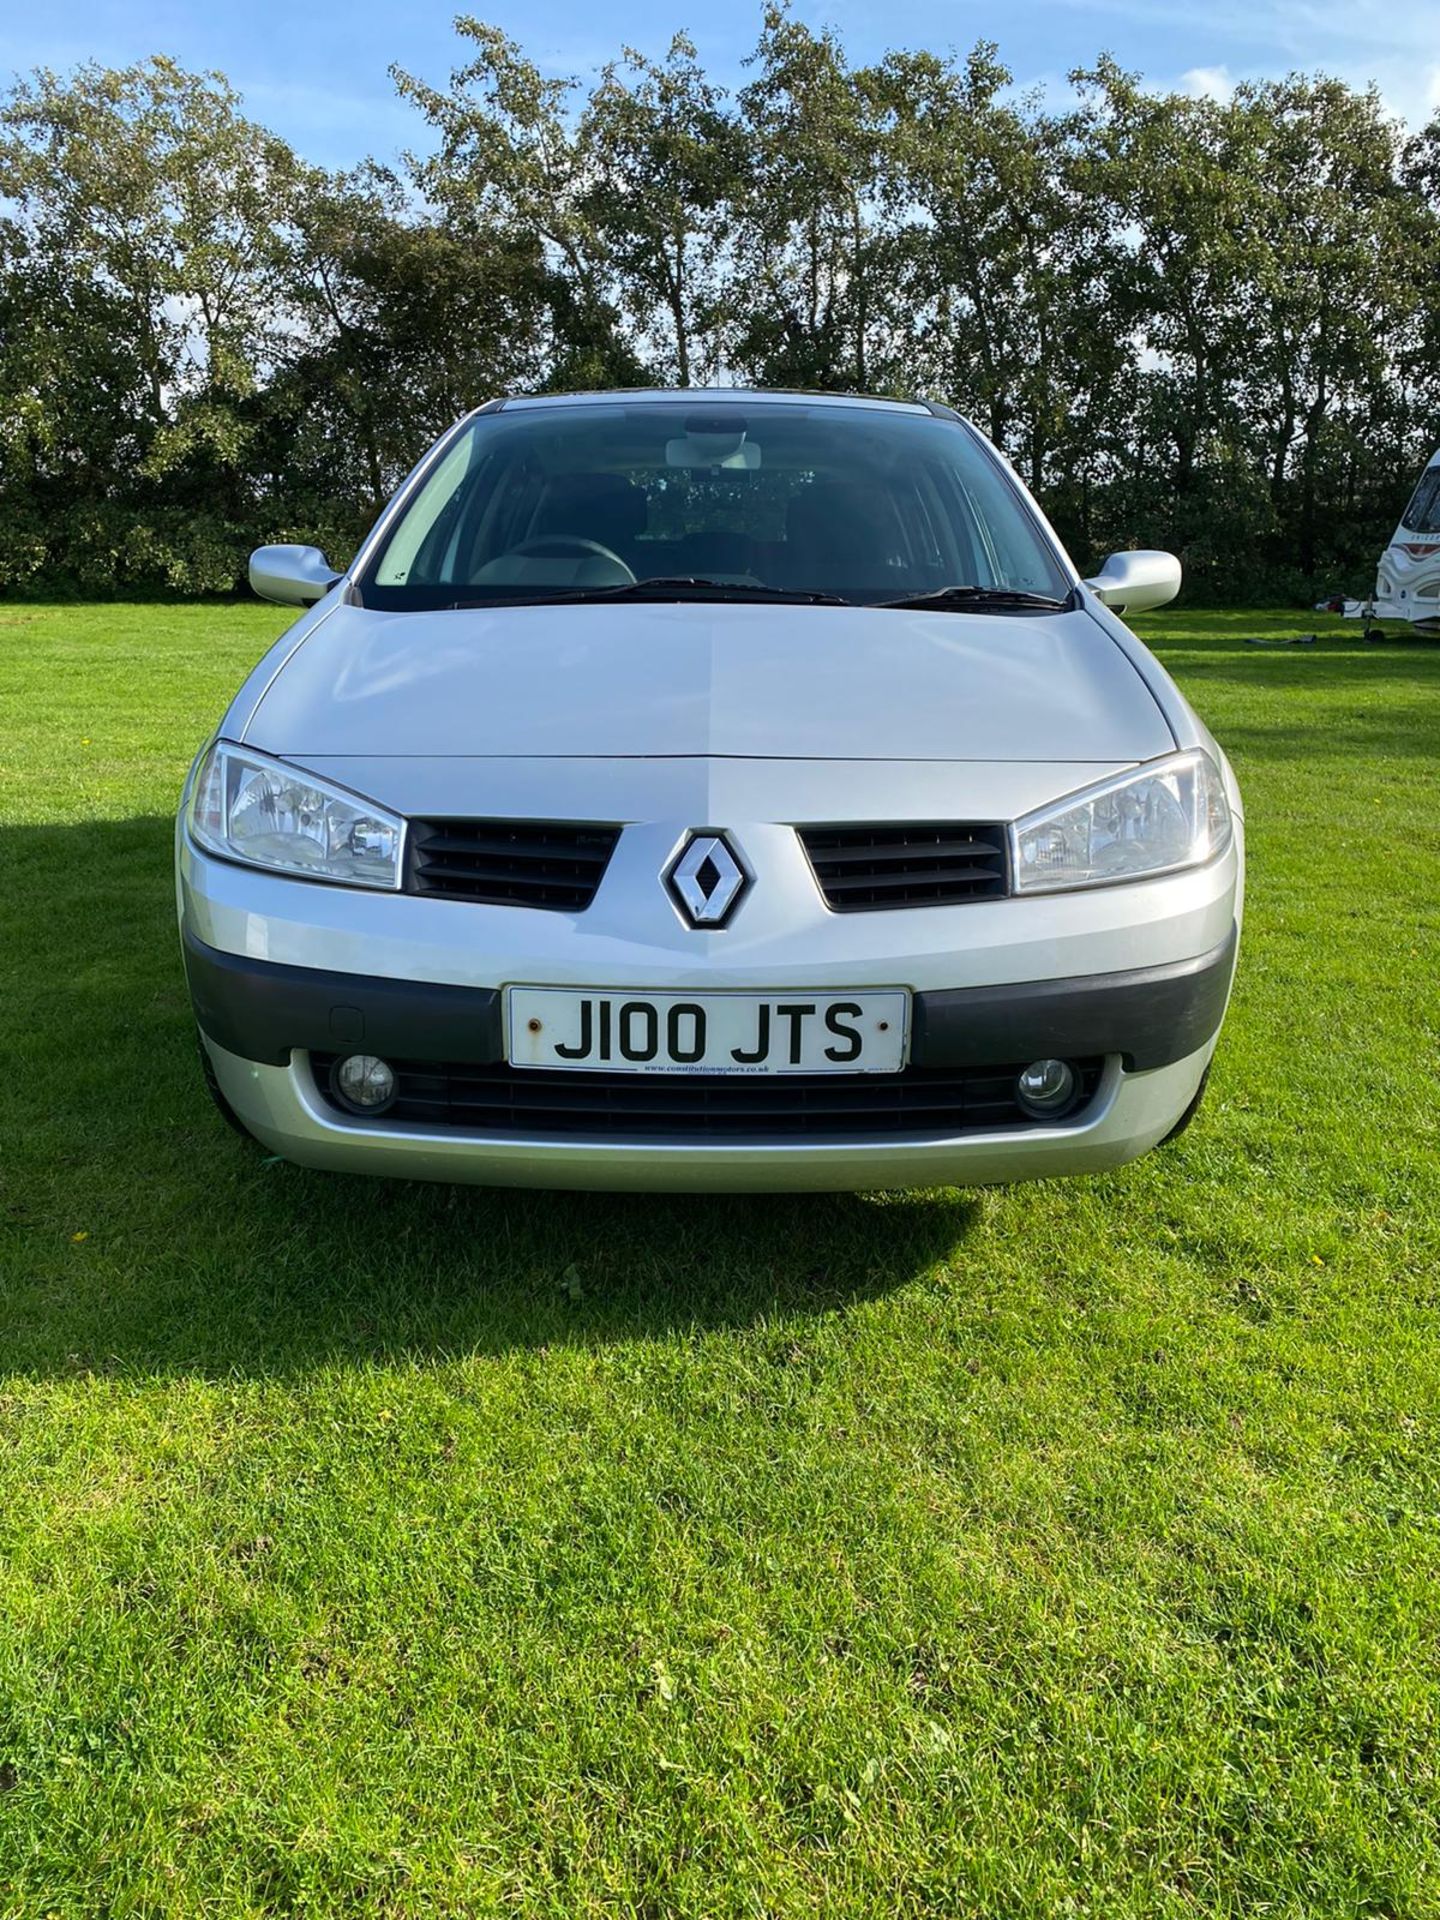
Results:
293 576
1138 580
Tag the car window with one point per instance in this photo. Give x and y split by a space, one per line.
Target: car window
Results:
1423 513
866 503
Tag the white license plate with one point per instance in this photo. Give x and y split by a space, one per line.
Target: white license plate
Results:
605 1032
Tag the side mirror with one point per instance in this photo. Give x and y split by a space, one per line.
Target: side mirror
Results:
1135 582
295 576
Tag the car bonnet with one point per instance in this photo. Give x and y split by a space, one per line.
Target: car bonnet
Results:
698 679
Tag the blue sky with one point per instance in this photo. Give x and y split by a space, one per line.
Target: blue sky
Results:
316 71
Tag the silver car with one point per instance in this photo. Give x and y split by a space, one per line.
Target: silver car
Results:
710 790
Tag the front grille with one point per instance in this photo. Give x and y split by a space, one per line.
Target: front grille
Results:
515 863
921 864
919 1102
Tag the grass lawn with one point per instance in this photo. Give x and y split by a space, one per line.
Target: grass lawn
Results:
400 1550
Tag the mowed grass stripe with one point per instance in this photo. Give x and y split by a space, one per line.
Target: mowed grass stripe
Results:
411 1550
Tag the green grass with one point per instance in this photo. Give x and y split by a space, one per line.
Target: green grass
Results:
400 1550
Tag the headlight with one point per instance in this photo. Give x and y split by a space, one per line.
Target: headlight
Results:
1156 819
251 808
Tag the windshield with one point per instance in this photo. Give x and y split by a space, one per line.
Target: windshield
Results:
862 503
1423 513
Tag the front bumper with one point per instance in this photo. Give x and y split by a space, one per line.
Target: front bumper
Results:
1155 1025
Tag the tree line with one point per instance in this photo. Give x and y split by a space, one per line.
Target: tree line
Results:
1208 325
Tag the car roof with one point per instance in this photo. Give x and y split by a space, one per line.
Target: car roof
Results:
708 396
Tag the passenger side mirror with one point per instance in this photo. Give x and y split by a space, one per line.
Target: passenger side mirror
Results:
294 576
1136 581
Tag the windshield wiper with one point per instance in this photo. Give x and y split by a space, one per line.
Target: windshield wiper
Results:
682 586
736 589
967 599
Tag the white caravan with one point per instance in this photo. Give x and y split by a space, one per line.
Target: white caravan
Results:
1407 582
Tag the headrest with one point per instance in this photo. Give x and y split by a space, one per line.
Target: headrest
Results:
596 506
836 512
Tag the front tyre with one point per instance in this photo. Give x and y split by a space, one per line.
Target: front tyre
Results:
1190 1112
212 1087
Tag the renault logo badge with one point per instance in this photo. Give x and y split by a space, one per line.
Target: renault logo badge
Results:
706 879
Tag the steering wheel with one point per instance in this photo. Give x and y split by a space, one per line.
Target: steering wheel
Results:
568 546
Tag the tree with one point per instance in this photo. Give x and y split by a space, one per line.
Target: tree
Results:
1178 177
511 165
1007 276
150 221
1333 300
384 304
666 160
810 280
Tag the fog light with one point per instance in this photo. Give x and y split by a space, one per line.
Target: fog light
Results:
363 1083
1046 1088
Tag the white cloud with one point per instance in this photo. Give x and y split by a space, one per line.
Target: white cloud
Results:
1409 92
1208 83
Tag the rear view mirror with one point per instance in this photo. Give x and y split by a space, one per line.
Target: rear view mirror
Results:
293 576
714 440
1136 581
740 455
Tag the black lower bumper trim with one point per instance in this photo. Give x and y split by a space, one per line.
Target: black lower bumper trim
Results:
1151 1016
262 1010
